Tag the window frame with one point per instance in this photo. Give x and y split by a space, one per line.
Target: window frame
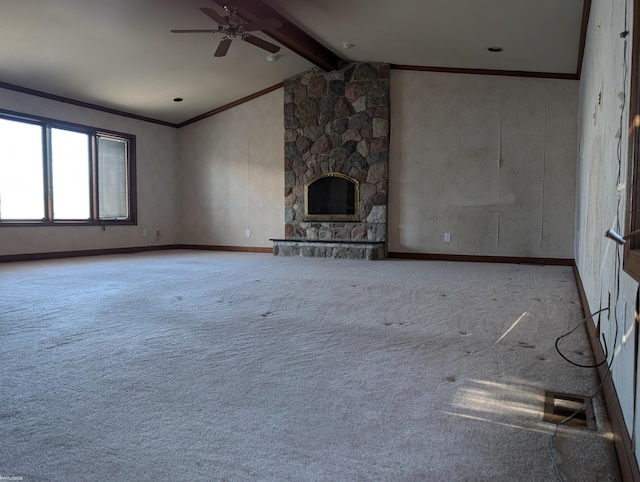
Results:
94 133
631 259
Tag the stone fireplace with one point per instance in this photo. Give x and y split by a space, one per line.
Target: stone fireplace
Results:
336 162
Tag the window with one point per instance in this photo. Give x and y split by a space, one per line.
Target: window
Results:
632 246
54 173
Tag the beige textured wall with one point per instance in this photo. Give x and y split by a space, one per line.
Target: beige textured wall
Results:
603 88
158 196
232 175
490 160
448 132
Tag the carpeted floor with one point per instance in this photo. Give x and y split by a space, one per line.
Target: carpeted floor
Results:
191 365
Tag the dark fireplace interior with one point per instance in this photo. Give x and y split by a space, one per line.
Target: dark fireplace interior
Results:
332 196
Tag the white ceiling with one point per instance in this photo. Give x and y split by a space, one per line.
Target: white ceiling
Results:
120 54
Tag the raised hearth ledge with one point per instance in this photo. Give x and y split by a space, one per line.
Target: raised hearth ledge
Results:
330 248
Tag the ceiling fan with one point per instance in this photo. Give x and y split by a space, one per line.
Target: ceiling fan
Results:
233 26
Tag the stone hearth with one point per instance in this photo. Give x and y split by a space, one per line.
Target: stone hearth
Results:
338 122
308 248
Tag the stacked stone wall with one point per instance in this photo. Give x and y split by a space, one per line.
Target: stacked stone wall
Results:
338 122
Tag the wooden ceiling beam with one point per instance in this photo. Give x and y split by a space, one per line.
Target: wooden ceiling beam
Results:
288 35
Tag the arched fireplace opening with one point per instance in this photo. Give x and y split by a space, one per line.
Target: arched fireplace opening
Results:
332 197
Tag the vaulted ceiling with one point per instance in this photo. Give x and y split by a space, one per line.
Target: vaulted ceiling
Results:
121 54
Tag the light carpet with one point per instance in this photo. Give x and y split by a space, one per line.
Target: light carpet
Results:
192 365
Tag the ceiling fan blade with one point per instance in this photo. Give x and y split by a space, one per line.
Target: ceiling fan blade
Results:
215 16
194 31
263 44
223 48
262 25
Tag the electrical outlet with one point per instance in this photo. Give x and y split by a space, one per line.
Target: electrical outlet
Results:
144 232
447 237
158 233
248 233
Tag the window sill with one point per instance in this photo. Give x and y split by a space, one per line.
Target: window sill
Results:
14 224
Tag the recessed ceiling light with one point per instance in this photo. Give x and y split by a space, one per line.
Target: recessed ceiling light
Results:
178 99
495 49
272 57
347 45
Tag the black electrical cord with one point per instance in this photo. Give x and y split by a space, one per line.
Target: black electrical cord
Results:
604 340
602 380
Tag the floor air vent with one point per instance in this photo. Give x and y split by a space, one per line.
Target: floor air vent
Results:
559 406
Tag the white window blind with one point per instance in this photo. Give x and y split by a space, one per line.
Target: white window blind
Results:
113 184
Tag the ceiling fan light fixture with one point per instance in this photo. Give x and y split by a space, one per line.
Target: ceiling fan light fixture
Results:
232 26
347 45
